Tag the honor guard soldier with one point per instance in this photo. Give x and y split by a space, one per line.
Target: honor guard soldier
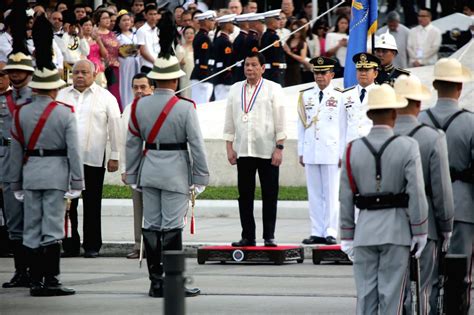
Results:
20 69
223 54
458 124
240 49
439 193
355 98
275 56
162 126
46 164
256 29
382 175
386 50
203 58
320 147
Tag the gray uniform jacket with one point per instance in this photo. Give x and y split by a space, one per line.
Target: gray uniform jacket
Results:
460 138
20 97
166 170
59 132
401 172
434 159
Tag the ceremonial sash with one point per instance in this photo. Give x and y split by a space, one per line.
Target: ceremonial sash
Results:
10 103
161 119
133 118
38 128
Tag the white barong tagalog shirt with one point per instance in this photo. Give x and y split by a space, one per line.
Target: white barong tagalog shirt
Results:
257 134
98 116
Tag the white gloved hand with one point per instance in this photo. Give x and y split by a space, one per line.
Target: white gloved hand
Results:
199 189
135 187
419 240
19 195
348 248
72 194
446 241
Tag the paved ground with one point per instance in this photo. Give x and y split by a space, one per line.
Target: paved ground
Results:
117 286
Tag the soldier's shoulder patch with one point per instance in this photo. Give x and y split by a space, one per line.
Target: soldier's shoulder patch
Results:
403 71
348 89
228 50
304 90
71 108
205 45
187 100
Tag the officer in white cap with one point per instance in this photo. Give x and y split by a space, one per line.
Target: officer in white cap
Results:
274 56
386 50
239 48
382 175
203 58
223 55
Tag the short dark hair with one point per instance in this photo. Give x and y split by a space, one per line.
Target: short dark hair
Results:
85 20
150 7
258 55
142 75
80 5
196 12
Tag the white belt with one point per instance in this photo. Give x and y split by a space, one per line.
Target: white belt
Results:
280 66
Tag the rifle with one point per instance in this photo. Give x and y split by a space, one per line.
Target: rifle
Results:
441 281
415 284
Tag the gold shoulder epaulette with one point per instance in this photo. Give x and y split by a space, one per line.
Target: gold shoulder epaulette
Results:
306 89
348 89
403 71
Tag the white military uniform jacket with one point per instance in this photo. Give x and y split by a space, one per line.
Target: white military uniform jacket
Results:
321 136
358 124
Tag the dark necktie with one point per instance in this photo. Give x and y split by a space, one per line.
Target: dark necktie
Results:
320 96
362 95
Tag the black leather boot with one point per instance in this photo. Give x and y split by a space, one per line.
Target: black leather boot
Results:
152 242
51 262
37 287
172 240
21 277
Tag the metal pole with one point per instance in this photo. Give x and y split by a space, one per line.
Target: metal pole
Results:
173 263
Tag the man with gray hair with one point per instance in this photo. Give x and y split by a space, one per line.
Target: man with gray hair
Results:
98 118
400 33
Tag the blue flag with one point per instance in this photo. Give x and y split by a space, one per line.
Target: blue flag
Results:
363 25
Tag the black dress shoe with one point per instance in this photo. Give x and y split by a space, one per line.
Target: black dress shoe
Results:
70 254
20 279
156 289
134 255
330 240
191 292
269 243
314 240
244 242
91 254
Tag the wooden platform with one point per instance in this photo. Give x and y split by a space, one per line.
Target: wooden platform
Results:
329 253
255 254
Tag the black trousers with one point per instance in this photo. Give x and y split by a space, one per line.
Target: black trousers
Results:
247 168
92 200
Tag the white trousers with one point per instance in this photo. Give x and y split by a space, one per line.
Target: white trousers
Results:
323 195
202 92
221 91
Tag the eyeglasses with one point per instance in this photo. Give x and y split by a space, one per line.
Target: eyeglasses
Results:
423 15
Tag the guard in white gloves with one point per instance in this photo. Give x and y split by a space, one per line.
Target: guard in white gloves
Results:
438 188
383 177
72 194
45 163
173 160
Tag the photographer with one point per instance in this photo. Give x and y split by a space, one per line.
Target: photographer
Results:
73 45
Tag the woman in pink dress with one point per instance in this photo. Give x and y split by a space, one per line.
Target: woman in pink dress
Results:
97 50
111 45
